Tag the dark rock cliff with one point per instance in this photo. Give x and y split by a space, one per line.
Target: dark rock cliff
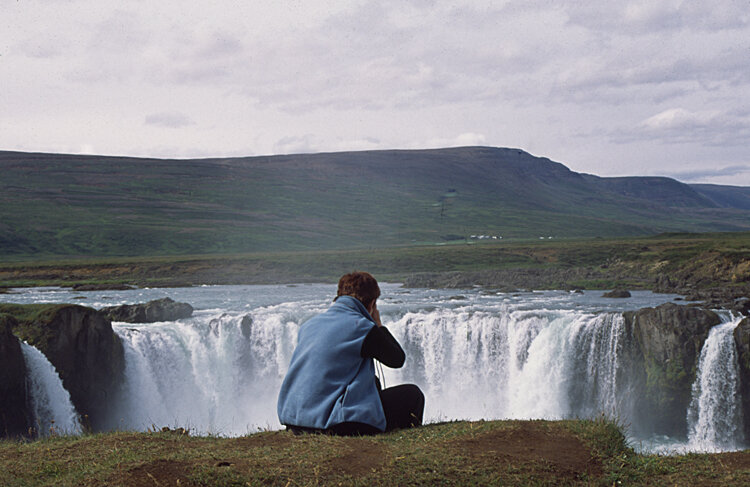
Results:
164 309
669 339
14 412
80 343
742 340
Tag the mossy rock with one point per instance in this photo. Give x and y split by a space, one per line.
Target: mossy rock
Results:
670 338
80 343
742 341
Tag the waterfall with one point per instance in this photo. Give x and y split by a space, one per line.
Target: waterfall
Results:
715 420
219 372
215 374
513 364
50 402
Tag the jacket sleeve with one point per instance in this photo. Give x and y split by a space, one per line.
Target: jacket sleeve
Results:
380 345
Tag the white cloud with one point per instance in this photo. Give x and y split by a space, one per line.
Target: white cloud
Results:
724 174
461 140
682 126
295 144
310 143
86 149
168 120
644 16
606 87
678 118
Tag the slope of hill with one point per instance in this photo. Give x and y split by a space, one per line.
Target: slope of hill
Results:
725 196
52 204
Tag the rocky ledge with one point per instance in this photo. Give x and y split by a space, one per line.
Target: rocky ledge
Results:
617 293
14 414
101 287
668 342
165 309
80 343
742 341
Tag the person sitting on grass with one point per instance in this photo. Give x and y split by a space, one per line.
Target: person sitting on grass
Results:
330 386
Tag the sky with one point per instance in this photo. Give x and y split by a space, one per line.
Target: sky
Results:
613 88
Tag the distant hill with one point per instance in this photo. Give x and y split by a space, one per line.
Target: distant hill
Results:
725 196
71 205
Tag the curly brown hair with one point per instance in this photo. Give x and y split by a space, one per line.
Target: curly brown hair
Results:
360 285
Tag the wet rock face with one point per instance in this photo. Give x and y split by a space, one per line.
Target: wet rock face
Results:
742 341
80 343
14 412
617 293
101 287
742 306
164 309
670 338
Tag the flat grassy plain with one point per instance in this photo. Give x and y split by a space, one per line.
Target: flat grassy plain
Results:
700 261
579 452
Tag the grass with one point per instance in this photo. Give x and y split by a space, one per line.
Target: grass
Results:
53 205
27 315
702 260
574 452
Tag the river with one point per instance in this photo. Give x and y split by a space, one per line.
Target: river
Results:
476 354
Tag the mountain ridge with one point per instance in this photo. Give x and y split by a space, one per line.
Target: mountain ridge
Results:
65 204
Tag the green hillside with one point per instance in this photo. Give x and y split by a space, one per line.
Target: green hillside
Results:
71 205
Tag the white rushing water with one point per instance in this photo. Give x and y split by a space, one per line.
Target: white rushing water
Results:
50 402
512 364
221 374
475 354
715 414
213 374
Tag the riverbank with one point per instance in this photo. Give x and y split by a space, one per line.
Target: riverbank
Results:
715 267
582 452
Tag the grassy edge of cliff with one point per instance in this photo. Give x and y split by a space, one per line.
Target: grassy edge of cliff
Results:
570 452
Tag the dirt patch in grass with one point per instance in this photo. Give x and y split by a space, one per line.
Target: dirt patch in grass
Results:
738 460
362 457
158 472
314 458
563 455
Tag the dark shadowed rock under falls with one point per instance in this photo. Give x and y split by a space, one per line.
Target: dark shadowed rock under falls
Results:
15 419
87 354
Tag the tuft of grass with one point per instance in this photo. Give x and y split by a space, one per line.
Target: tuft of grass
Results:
605 436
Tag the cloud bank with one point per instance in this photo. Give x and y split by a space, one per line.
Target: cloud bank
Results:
610 88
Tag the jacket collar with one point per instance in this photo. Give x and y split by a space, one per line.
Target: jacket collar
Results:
354 304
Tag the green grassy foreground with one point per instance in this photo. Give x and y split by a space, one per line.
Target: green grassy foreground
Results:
581 452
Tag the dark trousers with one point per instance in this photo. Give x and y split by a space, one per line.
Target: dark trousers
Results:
403 407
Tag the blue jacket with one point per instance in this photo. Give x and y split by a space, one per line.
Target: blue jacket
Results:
328 381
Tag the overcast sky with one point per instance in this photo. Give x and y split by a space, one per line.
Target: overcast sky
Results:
609 88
